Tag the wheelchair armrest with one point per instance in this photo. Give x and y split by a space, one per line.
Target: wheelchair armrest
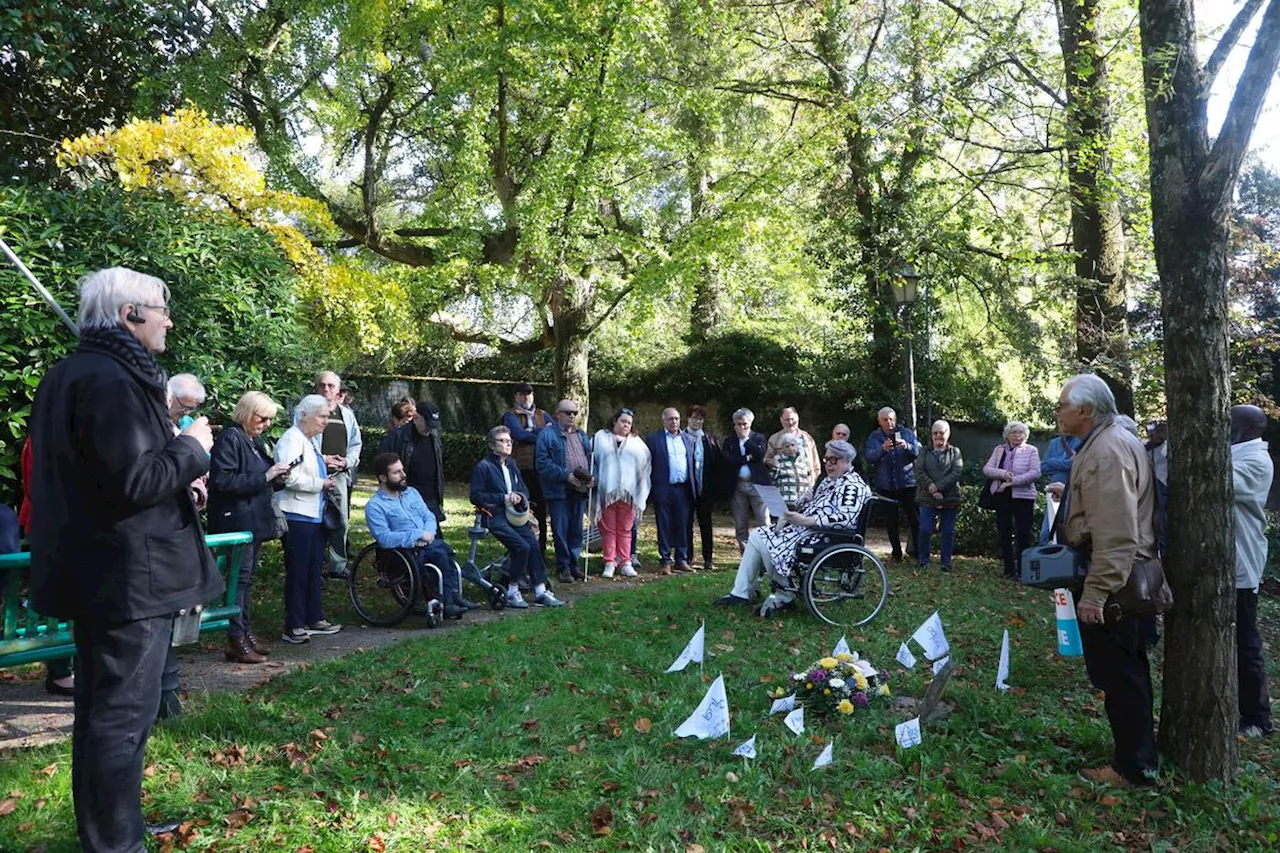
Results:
841 532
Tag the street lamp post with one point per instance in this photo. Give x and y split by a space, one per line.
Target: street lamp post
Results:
904 283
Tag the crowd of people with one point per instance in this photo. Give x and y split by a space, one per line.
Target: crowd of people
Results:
119 468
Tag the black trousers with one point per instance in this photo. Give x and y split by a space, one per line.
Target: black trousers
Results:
1013 529
702 515
1115 655
1255 702
905 506
118 667
537 504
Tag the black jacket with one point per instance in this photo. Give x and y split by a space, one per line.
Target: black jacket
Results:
406 440
114 533
731 453
239 494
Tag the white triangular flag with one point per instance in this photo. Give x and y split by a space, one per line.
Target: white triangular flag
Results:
940 663
908 733
747 749
932 638
824 757
711 718
783 705
692 652
1002 674
905 657
842 646
795 721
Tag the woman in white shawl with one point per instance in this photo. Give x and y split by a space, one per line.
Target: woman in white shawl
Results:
621 465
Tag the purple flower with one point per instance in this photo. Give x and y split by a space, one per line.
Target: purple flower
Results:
860 700
818 675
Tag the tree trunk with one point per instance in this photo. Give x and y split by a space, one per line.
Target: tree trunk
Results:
708 292
1191 190
570 303
1097 231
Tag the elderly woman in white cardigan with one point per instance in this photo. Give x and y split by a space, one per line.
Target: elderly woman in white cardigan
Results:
837 501
302 501
621 463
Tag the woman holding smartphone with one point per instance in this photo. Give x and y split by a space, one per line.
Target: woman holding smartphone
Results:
242 479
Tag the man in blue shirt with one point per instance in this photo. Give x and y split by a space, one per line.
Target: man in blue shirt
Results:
1057 465
399 518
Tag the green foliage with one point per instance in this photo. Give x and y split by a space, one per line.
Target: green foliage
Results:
72 67
236 324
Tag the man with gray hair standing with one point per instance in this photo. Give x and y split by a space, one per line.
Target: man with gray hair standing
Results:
339 444
743 455
116 542
1251 475
1109 511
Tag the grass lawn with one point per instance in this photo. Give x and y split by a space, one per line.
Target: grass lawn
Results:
552 729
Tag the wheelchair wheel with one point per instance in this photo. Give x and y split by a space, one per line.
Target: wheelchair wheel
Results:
435 613
497 598
846 586
383 586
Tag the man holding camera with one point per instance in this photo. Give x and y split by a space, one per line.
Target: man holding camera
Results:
892 449
116 541
339 444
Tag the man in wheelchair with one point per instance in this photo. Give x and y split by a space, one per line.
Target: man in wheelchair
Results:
837 501
399 518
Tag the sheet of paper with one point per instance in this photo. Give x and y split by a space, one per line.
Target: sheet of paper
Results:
908 733
940 663
905 657
772 500
824 757
747 749
932 638
1002 673
795 721
711 718
692 651
842 646
783 705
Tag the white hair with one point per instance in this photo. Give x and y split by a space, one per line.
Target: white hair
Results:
327 373
1015 426
841 448
942 425
788 440
105 292
186 386
1088 389
740 414
308 406
887 410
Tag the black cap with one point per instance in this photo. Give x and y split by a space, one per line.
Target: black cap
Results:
524 388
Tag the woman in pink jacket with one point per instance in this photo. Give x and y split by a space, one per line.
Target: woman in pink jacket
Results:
1015 467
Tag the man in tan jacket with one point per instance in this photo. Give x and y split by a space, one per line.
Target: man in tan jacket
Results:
1109 516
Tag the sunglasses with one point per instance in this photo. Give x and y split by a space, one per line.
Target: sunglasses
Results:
626 412
573 412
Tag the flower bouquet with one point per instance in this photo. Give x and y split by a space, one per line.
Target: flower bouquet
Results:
839 684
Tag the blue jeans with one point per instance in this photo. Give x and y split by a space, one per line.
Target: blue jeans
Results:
440 555
303 558
524 552
566 526
947 533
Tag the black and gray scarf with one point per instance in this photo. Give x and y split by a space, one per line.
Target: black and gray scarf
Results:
124 347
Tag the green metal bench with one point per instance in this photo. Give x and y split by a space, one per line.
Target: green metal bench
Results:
29 637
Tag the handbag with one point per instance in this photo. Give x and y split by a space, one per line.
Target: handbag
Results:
279 524
1146 593
987 498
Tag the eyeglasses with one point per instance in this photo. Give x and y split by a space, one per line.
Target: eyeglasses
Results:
163 309
187 408
830 459
1061 405
502 440
573 412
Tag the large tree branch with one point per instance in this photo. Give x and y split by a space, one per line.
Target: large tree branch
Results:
1228 42
1030 75
1220 172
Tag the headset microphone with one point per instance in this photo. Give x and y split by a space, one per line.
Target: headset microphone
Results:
134 317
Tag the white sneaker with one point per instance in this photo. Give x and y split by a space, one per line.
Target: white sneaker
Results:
608 571
627 571
516 601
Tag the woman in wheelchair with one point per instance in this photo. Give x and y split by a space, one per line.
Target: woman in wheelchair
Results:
497 488
837 502
399 518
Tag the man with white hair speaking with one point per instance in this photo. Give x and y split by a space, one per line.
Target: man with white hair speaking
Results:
116 542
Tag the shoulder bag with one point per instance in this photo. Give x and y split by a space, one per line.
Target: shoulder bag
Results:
987 498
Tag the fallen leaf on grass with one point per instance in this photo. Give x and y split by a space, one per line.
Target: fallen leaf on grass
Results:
644 725
1109 800
529 725
7 805
239 818
577 748
50 770
602 821
376 844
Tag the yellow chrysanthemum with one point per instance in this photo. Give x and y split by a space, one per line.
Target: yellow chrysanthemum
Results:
845 707
828 663
808 687
860 680
826 692
884 690
845 656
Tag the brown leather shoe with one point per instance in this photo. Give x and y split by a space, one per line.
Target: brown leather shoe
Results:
664 569
683 566
257 645
239 651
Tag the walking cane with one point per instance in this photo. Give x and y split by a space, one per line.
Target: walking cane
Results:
586 540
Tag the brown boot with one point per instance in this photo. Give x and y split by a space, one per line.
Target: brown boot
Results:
239 651
256 644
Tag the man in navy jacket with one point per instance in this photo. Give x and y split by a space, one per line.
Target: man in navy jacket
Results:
672 490
743 468
892 449
562 455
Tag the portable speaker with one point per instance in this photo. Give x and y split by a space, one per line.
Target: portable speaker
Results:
1052 566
